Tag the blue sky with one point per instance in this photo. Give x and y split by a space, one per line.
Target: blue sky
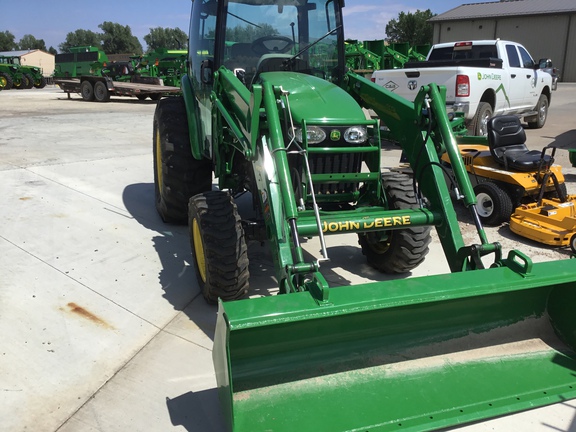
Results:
53 20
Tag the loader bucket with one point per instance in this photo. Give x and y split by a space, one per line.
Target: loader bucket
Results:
405 355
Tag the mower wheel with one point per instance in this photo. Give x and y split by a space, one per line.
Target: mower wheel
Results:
219 248
87 91
573 244
177 175
494 205
396 251
480 120
539 119
101 93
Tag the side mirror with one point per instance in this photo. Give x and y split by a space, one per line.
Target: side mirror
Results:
206 72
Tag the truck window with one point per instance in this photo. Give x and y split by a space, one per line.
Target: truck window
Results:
471 52
513 58
527 61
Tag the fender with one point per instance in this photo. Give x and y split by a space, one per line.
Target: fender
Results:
194 126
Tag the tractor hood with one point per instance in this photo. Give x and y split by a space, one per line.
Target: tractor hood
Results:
315 99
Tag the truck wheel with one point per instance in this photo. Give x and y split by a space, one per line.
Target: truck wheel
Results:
6 81
494 205
396 251
480 121
101 93
177 175
41 83
539 120
219 248
87 91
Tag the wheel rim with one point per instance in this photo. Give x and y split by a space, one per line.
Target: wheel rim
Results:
3 82
199 250
158 149
484 124
542 111
485 205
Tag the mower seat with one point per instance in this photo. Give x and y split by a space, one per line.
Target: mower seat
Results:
507 142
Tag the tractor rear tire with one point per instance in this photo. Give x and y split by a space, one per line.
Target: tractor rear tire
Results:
177 174
494 205
403 249
87 91
7 81
41 83
219 250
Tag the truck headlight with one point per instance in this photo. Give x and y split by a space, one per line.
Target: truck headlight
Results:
355 135
314 134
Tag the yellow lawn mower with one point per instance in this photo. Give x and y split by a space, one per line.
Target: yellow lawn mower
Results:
505 174
551 221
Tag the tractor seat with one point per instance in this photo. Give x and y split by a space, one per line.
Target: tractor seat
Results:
507 142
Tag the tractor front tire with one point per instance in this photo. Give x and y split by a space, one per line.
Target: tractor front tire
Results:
219 250
401 250
494 205
40 83
177 174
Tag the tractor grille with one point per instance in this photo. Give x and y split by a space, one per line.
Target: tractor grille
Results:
335 164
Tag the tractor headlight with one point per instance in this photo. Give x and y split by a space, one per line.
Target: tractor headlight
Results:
314 135
356 135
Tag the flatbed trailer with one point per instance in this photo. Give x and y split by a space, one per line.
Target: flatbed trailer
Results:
98 88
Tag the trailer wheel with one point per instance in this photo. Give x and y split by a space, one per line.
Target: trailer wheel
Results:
541 108
494 205
6 81
402 250
101 93
177 175
480 120
219 248
87 91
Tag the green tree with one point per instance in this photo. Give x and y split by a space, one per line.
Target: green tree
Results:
411 27
7 41
169 38
81 38
118 39
29 42
52 50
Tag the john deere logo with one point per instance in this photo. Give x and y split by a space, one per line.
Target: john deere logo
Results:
335 135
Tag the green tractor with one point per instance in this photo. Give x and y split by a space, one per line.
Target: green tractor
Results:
33 74
269 109
11 76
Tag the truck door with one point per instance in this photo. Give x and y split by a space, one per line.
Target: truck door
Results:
521 81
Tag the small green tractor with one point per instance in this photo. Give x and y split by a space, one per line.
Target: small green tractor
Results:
269 109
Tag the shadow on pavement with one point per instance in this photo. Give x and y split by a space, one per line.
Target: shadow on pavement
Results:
195 412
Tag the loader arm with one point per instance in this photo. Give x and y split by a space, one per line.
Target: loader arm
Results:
422 129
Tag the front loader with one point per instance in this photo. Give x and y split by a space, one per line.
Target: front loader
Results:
268 109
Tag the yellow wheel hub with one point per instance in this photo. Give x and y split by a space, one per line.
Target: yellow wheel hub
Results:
199 250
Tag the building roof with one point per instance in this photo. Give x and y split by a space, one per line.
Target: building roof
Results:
506 8
20 53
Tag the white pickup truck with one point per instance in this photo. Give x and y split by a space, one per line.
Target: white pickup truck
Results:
482 78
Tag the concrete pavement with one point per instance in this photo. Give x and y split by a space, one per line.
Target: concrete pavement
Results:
103 326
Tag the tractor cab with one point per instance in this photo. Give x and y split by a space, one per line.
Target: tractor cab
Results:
249 37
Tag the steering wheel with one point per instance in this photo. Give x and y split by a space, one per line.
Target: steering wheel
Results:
272 45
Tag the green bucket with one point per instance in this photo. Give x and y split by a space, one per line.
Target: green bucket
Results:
405 355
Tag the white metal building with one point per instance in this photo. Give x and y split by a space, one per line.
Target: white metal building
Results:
546 28
38 58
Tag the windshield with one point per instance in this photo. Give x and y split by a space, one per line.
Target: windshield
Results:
302 34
